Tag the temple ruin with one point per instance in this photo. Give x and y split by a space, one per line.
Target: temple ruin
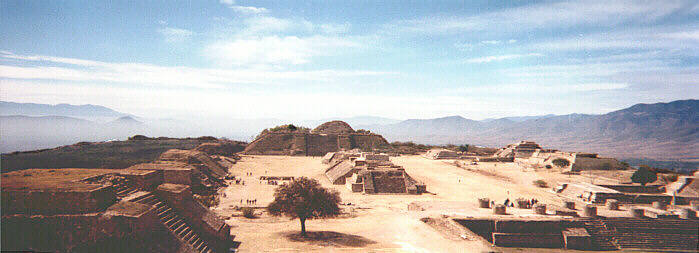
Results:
370 173
94 210
530 154
331 136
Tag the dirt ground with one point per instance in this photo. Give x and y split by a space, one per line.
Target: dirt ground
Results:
379 223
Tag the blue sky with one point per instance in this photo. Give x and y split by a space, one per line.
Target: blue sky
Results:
320 59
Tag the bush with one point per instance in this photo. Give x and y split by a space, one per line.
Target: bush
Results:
548 166
561 162
644 175
540 183
248 212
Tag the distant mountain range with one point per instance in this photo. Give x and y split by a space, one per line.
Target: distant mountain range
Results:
661 131
76 111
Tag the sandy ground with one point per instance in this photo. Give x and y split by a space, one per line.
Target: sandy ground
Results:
379 223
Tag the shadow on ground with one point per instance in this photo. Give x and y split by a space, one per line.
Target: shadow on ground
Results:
328 238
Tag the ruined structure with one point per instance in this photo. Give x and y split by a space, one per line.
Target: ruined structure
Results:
530 154
371 173
587 233
203 173
441 154
329 137
96 210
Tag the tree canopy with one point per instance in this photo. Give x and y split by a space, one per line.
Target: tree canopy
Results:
561 162
304 198
644 175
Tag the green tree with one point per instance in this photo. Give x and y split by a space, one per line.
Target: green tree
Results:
561 162
304 198
644 175
463 148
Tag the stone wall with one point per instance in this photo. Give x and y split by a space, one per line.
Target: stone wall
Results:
319 145
57 202
177 176
587 163
212 228
388 181
87 233
528 240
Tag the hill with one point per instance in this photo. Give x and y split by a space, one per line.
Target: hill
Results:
78 111
661 131
111 154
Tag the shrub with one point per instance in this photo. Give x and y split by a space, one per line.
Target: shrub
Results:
561 162
540 183
644 175
248 212
548 166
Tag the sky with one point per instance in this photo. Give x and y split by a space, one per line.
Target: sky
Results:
321 59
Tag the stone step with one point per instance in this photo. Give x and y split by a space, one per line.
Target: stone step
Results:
180 227
185 232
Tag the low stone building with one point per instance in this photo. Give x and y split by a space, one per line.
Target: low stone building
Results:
372 173
441 154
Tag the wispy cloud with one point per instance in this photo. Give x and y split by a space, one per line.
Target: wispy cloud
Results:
490 42
275 50
173 34
487 59
243 9
153 75
546 15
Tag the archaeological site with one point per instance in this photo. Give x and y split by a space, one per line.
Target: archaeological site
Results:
215 197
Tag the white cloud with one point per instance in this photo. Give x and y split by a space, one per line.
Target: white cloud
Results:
490 42
512 41
464 46
159 76
647 38
173 34
335 28
683 35
243 9
487 59
249 9
227 2
275 50
546 15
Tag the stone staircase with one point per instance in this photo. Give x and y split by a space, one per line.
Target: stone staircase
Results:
122 189
168 217
667 234
602 237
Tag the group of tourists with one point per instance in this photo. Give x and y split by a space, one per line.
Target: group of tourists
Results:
249 201
508 203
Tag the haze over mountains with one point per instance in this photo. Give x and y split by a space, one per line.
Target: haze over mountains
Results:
661 131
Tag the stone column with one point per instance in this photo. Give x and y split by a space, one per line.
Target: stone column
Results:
612 204
484 203
500 209
590 211
540 209
570 205
637 212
